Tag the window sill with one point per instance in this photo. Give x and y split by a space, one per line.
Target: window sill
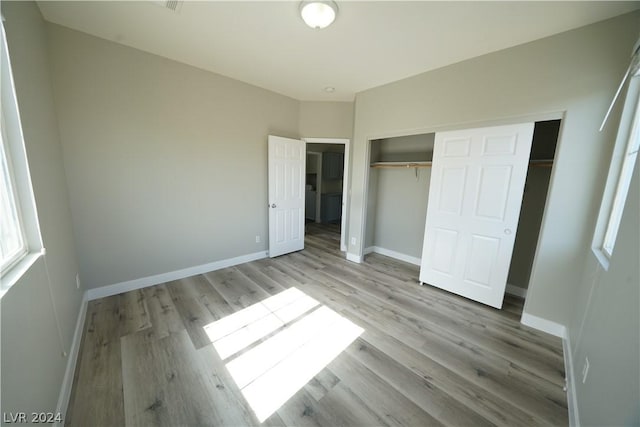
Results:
602 258
12 276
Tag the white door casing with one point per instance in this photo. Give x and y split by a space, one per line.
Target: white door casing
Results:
475 195
287 162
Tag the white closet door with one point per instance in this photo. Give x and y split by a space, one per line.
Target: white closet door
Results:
287 165
477 182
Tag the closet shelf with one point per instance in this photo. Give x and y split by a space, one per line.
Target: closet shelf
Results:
541 163
401 165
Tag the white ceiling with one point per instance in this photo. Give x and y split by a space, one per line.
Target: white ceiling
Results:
370 44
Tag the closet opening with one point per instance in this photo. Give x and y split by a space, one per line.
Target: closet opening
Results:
536 187
398 196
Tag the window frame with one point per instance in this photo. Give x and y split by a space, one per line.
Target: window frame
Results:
16 155
14 200
623 160
622 188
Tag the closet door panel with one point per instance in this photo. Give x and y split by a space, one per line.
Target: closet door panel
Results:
474 205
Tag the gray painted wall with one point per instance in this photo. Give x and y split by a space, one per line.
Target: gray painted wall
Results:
166 163
606 328
575 72
326 119
398 197
401 209
32 364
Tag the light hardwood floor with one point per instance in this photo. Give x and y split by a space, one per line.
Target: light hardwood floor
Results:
425 357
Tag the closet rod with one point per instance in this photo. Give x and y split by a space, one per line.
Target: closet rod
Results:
401 165
541 163
407 165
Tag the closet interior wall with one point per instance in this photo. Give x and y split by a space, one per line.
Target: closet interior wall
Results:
397 202
543 147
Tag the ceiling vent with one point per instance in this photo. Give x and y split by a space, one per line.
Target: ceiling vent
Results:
172 5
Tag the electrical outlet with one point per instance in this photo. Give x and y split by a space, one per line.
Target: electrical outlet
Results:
257 239
77 280
353 240
585 370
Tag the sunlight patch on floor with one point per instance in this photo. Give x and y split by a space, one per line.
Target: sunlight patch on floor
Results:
270 373
241 329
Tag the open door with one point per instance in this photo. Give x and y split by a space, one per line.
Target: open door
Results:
475 194
286 195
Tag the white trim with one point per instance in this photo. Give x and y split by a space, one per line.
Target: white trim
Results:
131 285
72 360
345 181
510 120
544 325
516 290
354 258
572 397
393 254
17 271
560 331
326 140
616 163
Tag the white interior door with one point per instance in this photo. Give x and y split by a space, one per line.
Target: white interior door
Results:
286 195
477 182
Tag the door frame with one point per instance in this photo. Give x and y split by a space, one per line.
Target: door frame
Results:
531 117
345 181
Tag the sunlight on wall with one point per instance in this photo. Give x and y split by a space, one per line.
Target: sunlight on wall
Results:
274 370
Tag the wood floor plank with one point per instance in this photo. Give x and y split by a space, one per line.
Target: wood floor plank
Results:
163 314
343 407
238 290
455 327
98 399
322 384
193 313
426 357
227 397
259 278
477 366
134 313
162 383
417 389
389 405
495 409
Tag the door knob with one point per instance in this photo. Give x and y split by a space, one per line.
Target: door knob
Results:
507 231
273 205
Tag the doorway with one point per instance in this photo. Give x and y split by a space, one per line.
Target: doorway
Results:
326 187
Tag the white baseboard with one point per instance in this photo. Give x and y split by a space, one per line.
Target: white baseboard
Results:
516 290
144 282
544 325
572 398
72 359
354 258
393 254
560 331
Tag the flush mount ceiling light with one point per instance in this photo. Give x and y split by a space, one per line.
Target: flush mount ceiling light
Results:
318 14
